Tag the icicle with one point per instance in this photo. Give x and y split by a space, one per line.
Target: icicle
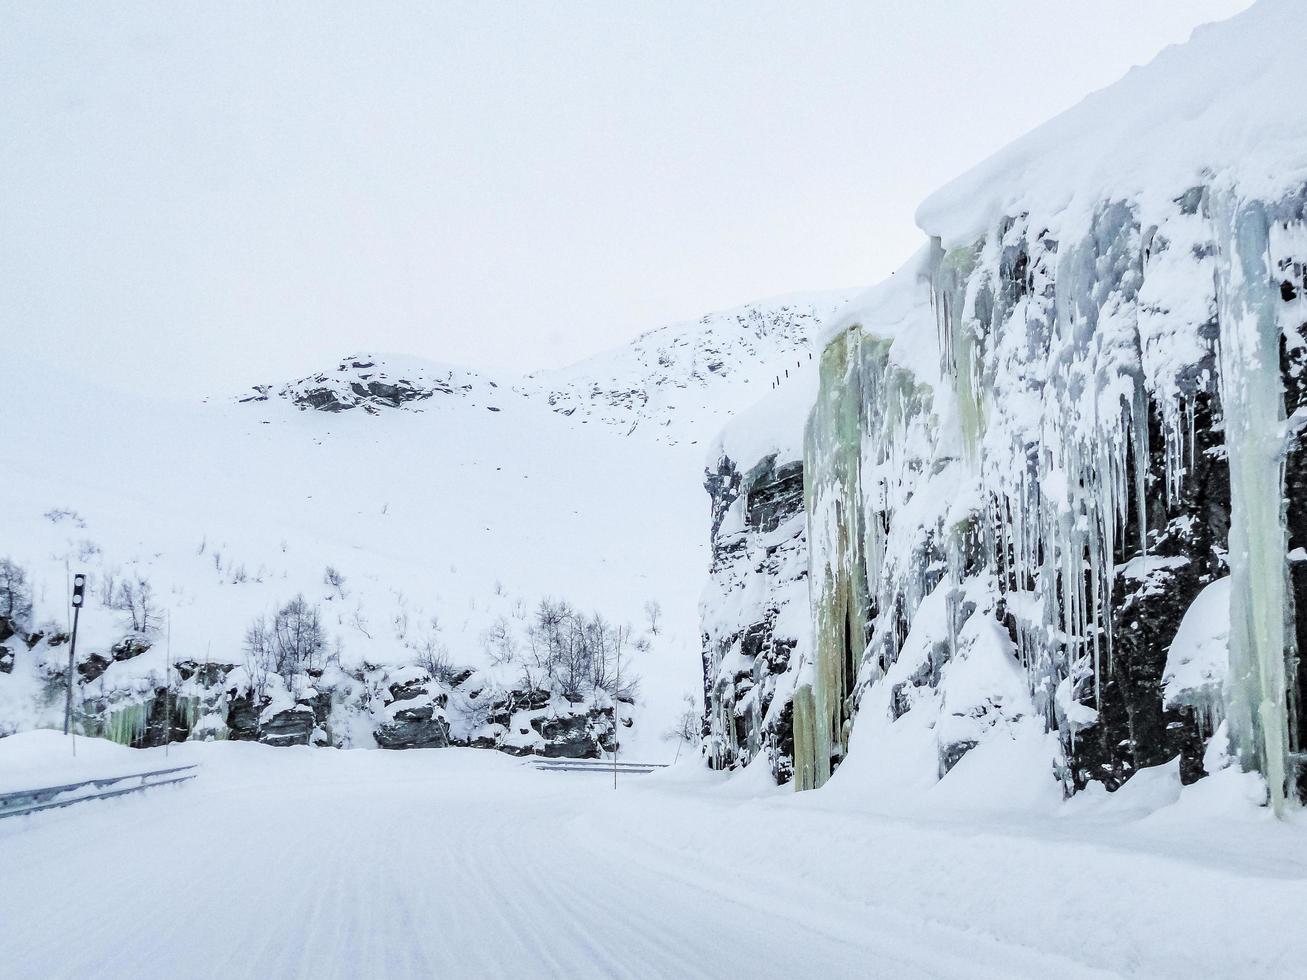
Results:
1252 399
126 725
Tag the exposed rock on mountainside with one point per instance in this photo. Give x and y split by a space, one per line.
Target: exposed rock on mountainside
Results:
755 612
396 707
370 382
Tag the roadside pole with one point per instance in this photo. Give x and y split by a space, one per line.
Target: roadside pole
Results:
79 592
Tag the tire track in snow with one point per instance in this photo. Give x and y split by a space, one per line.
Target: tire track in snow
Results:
939 948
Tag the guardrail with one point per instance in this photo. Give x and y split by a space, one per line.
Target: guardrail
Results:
596 765
48 797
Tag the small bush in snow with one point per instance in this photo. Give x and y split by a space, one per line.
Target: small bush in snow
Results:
331 577
686 727
653 611
433 657
499 641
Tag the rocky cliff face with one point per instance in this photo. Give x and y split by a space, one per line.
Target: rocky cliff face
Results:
1012 525
390 707
1039 446
755 613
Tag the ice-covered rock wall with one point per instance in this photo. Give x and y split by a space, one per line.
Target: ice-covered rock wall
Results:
1075 412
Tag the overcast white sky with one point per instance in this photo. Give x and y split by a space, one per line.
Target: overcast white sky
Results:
211 195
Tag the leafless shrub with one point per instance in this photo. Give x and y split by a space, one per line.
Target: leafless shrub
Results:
653 611
15 593
135 597
574 653
292 644
333 578
686 726
499 641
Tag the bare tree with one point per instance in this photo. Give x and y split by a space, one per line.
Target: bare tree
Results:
15 594
574 654
298 638
290 646
653 611
259 657
136 598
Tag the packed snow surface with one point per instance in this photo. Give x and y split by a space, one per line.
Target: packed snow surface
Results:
450 862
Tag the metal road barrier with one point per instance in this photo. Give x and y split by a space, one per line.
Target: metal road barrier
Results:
51 797
595 765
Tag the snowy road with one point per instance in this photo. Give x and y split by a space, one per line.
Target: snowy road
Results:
451 863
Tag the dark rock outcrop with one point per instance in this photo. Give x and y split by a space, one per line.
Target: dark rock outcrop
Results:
290 726
759 547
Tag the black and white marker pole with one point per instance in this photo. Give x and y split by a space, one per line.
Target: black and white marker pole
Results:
79 592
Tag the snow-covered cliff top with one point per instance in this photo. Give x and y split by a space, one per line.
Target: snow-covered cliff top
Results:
897 309
1220 109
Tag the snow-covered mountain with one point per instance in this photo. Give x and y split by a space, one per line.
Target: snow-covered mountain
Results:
422 511
683 381
1048 465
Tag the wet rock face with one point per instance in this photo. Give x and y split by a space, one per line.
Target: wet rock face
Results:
573 736
292 726
243 717
413 728
775 494
759 550
129 647
415 714
93 666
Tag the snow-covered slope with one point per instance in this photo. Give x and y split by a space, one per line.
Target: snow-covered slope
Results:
1041 441
683 381
423 510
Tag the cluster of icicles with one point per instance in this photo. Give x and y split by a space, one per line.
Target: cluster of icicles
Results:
1031 444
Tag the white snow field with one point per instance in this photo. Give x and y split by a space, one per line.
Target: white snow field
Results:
299 862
